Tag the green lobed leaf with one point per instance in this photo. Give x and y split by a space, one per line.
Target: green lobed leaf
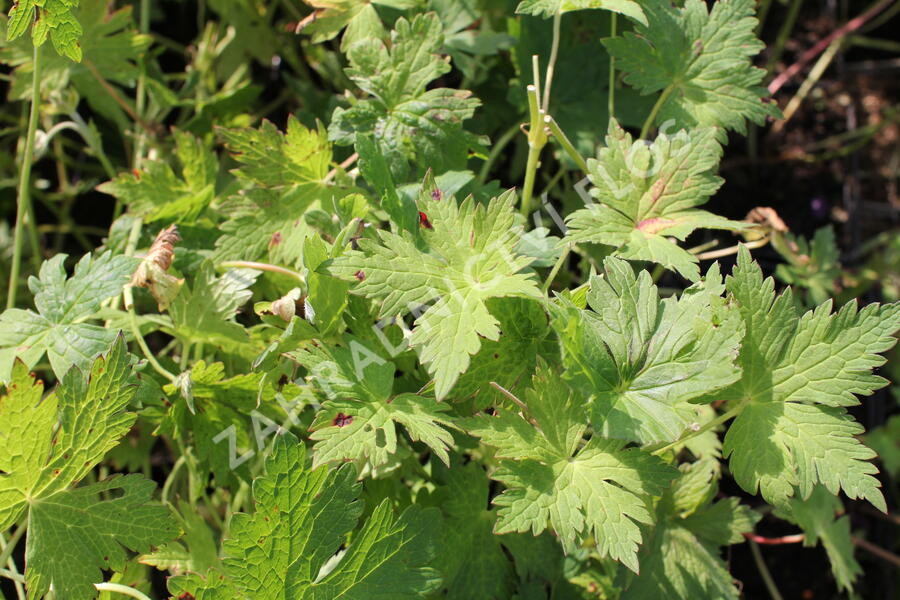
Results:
549 8
641 360
158 194
650 192
408 122
59 326
682 558
816 516
601 489
463 257
302 518
358 421
799 372
700 60
74 535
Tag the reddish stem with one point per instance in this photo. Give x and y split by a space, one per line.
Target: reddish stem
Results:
877 551
777 541
848 27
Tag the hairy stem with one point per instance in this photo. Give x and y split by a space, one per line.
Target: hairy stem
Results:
700 430
23 203
121 589
248 264
551 66
556 267
656 107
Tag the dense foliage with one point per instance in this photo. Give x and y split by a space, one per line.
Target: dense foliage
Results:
361 368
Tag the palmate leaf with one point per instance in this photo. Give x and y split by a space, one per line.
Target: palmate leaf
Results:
302 518
648 192
601 489
360 20
549 8
701 60
799 372
286 178
681 559
465 255
408 123
642 360
359 420
158 194
72 534
54 20
59 326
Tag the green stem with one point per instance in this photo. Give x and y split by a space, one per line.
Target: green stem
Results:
783 34
164 495
551 65
536 141
764 571
121 589
565 143
611 103
694 433
656 107
11 543
496 149
247 264
7 548
534 154
556 267
10 575
23 205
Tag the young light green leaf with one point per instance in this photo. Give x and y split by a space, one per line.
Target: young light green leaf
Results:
798 375
272 159
601 489
359 420
549 8
649 192
466 256
360 19
642 360
59 326
302 518
93 418
700 60
286 176
401 109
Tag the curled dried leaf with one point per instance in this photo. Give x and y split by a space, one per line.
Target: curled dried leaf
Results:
152 272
